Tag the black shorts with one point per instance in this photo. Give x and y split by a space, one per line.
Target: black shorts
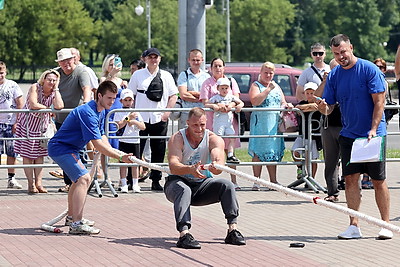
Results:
376 170
130 148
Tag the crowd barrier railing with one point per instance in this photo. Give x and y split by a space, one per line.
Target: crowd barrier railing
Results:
173 128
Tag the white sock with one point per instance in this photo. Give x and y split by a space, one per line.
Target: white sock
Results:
230 154
135 181
75 224
123 181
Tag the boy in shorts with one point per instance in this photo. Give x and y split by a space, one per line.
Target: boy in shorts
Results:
129 124
222 103
10 98
308 106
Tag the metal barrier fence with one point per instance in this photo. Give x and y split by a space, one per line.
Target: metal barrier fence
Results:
307 143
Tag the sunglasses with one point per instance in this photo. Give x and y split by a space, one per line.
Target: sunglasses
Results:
318 54
381 67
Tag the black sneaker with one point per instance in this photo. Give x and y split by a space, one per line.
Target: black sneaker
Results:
155 186
188 242
234 237
233 159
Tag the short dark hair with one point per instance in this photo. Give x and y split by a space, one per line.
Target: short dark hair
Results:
195 51
216 58
196 111
104 87
337 39
139 63
317 46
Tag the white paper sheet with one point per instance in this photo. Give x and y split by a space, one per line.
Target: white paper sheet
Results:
364 151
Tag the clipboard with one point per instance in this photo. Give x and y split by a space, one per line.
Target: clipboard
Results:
364 151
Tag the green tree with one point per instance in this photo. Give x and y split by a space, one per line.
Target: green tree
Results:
126 34
215 33
101 9
257 29
33 30
366 22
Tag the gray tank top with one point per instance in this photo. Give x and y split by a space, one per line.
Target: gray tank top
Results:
192 155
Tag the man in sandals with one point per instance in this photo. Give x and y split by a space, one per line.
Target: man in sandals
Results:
85 123
359 88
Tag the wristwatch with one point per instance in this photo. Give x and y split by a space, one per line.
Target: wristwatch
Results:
127 119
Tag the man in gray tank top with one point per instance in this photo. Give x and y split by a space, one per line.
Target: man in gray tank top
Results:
192 184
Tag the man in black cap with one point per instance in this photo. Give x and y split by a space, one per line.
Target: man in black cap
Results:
156 122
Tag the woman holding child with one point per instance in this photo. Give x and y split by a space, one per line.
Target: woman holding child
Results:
208 90
265 93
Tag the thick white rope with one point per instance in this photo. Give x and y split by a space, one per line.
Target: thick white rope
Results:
48 226
316 200
288 191
150 165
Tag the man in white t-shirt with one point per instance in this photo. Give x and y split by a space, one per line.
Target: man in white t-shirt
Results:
157 121
10 98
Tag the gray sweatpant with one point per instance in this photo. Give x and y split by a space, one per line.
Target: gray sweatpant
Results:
330 143
183 194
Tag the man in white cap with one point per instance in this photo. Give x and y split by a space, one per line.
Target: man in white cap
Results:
75 89
156 122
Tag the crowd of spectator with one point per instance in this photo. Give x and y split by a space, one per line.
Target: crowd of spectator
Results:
73 84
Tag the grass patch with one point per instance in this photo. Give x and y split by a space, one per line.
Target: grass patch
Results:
243 155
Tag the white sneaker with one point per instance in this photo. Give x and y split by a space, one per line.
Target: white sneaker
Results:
352 232
68 221
385 234
124 189
136 189
14 184
256 187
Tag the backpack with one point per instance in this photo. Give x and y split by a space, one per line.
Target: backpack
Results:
155 90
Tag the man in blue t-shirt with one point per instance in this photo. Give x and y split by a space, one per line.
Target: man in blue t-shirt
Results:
358 86
85 123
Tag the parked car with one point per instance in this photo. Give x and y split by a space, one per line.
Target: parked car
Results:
246 73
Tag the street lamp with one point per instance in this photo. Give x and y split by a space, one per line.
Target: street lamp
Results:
139 11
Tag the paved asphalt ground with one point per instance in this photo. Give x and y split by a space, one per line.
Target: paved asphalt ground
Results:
139 229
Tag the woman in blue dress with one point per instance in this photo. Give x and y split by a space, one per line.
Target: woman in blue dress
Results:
265 93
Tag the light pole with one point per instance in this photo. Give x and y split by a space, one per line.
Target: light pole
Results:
139 11
228 30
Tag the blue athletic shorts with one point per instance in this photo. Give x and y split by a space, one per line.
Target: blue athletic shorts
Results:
72 165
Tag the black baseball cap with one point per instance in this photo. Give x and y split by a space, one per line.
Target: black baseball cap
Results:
151 51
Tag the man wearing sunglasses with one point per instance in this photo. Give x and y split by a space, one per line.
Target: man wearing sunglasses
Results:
315 73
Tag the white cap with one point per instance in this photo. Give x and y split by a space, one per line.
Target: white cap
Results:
310 85
64 54
126 93
224 81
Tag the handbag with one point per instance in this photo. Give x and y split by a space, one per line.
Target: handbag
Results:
389 113
48 133
288 122
155 90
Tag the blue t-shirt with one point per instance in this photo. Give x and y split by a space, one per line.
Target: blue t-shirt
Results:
352 89
83 124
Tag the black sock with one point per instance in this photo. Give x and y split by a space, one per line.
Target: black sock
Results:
11 175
